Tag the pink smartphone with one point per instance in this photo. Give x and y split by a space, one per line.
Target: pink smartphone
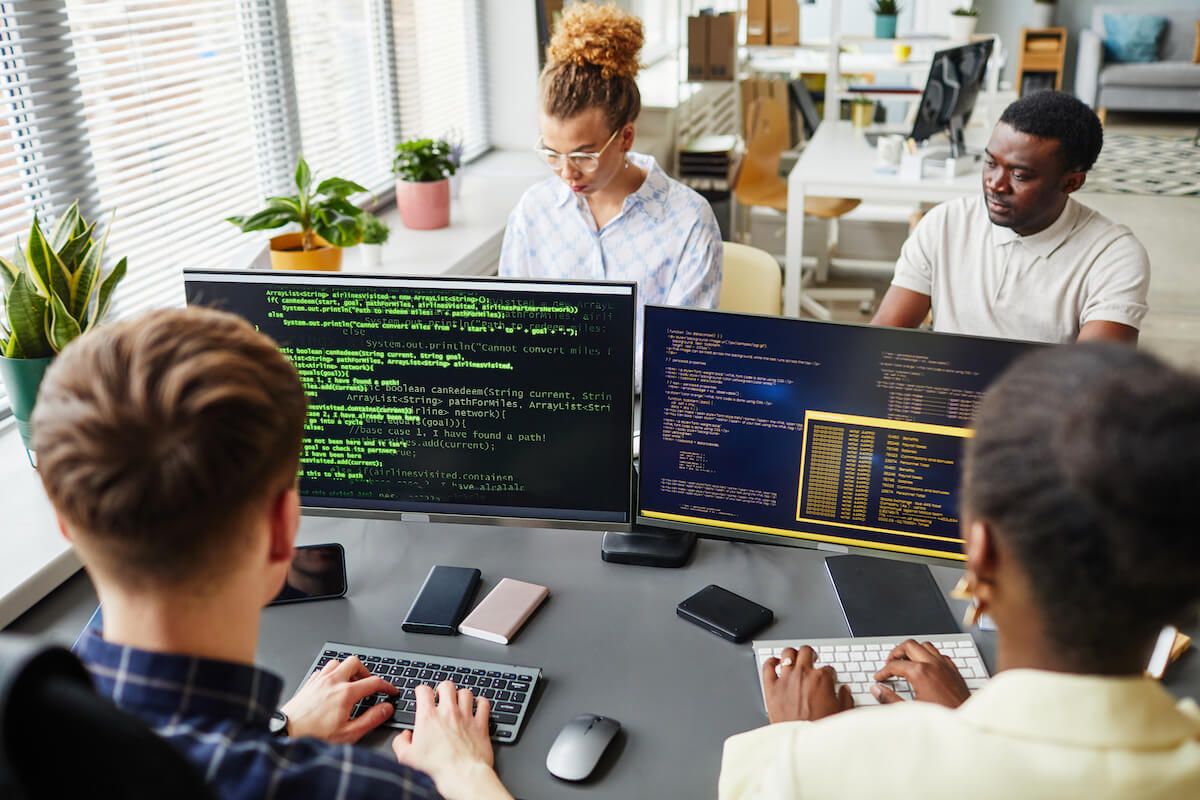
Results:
502 613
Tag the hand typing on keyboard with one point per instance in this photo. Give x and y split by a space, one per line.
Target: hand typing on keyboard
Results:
796 689
934 677
322 706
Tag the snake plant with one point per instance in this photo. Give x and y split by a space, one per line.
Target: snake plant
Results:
54 289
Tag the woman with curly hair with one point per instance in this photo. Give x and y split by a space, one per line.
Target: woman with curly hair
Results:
610 213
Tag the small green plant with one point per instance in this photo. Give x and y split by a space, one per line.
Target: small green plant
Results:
54 290
886 8
965 12
323 210
424 160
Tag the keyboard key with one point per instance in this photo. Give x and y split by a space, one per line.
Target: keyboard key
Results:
518 686
509 708
404 717
504 734
518 697
504 719
503 695
485 683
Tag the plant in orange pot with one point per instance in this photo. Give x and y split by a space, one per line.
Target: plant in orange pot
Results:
423 168
328 222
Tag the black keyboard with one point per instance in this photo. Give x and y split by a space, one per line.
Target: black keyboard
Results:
508 687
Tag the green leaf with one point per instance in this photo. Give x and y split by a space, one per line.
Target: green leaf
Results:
83 281
337 225
73 252
290 204
106 290
339 188
65 227
12 348
8 273
61 327
303 176
264 220
26 311
37 256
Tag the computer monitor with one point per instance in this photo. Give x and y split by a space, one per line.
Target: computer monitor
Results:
453 399
955 78
786 431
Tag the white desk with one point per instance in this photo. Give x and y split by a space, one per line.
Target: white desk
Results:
838 162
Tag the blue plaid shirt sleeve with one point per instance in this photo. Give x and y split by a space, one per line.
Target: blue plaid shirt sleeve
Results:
697 281
216 714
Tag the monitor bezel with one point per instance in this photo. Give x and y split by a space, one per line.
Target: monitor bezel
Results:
718 532
316 509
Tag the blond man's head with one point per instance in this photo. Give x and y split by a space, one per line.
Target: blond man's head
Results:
159 436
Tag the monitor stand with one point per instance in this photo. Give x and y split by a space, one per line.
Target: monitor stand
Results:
883 597
647 547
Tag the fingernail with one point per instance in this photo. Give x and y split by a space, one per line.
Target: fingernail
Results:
877 690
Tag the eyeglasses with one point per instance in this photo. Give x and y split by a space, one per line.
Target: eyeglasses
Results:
584 162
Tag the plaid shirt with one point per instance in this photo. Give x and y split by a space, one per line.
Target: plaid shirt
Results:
216 713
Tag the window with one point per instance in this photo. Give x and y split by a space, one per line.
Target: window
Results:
174 114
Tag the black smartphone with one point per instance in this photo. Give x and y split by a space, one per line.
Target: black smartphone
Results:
724 613
443 601
318 572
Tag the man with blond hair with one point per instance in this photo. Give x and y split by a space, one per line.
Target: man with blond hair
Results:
169 446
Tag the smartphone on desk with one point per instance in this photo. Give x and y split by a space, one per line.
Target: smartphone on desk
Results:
318 572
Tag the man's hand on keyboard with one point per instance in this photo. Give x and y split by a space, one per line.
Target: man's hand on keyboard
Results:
934 677
800 690
322 706
450 742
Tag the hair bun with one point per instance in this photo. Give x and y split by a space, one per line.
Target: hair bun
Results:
602 36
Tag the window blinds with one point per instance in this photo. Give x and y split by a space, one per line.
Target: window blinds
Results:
167 116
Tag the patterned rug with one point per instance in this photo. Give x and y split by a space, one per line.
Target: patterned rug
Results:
1133 163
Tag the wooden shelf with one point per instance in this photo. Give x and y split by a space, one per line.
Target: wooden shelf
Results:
1040 58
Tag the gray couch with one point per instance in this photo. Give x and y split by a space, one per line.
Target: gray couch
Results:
1170 84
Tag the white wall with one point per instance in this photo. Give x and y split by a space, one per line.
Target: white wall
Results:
510 29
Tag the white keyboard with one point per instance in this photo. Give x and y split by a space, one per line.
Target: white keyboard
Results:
857 660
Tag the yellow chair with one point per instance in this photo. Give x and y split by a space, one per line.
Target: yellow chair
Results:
750 281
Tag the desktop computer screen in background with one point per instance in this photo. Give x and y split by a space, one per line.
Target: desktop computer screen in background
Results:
793 431
470 397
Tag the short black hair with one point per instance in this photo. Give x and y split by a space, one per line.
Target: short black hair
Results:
1059 116
1084 463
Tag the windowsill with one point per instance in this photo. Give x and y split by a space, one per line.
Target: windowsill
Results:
35 558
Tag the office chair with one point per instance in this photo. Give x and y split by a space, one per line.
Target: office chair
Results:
750 281
759 183
58 738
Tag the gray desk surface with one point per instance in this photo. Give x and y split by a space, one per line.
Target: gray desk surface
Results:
607 639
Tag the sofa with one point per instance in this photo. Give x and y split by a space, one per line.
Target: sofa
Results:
1170 84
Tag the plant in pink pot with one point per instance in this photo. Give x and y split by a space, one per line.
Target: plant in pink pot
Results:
423 168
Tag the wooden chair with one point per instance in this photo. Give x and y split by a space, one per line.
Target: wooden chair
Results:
758 183
751 282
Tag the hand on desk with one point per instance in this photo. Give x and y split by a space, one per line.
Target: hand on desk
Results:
322 706
801 690
933 677
450 743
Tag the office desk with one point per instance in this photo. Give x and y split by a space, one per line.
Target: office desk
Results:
838 162
607 639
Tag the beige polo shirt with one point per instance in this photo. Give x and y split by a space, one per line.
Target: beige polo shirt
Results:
986 280
1027 734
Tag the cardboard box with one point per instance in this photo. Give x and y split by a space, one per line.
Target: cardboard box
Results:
784 18
757 31
722 47
697 45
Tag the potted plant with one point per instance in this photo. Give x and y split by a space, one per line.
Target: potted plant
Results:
862 112
886 12
962 23
1043 13
54 291
328 222
423 168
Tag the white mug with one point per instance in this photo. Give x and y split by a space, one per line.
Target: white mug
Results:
888 150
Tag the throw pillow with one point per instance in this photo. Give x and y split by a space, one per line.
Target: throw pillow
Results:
1133 38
